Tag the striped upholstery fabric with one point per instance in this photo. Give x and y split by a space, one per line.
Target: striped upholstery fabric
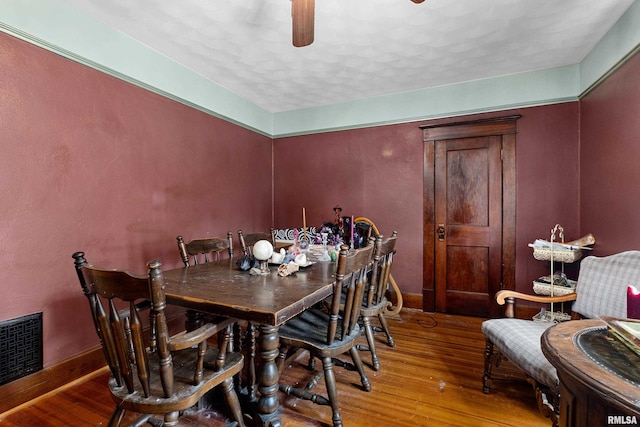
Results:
601 290
602 284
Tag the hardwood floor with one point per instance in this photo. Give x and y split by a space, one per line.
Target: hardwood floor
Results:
431 378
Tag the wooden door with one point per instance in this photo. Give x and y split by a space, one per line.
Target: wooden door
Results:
469 215
468 208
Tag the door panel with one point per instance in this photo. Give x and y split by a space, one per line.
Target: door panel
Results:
468 205
467 257
469 272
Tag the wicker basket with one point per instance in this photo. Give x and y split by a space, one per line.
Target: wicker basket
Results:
549 317
564 255
542 288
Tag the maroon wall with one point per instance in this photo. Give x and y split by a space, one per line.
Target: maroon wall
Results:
378 173
92 163
609 158
373 172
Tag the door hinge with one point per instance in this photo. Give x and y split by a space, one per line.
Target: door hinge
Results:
501 154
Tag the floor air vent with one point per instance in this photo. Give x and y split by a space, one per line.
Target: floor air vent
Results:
20 347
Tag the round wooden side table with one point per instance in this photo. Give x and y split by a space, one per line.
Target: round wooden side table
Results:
599 375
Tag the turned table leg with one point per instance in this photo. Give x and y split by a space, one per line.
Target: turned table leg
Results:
269 410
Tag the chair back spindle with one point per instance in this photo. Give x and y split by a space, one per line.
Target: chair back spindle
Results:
120 331
381 274
351 277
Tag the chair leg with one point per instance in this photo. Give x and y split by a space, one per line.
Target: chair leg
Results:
314 381
194 319
233 403
303 392
198 375
368 331
143 420
155 422
311 365
116 417
171 419
548 409
355 356
332 392
252 386
385 328
488 366
281 359
238 346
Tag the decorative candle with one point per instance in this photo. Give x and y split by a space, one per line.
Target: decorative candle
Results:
304 224
353 245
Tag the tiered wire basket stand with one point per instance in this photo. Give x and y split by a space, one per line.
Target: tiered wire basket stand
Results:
555 252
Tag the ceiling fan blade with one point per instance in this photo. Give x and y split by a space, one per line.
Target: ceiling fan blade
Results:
417 1
302 14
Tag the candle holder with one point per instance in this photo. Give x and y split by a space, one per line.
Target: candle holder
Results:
325 254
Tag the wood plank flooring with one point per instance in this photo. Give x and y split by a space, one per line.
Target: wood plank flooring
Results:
431 378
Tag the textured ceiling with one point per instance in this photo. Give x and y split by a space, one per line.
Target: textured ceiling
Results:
362 48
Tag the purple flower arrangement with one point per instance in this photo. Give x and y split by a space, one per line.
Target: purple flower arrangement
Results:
333 238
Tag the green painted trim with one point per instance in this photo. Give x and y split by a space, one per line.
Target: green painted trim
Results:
610 71
53 25
461 113
498 93
613 50
70 55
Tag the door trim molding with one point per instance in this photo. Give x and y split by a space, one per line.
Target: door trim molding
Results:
504 127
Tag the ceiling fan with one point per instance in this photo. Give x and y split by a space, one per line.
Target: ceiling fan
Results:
302 14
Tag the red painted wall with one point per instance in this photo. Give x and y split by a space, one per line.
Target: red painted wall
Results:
609 157
91 163
372 172
378 173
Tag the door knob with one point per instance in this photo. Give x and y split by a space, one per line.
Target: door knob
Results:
440 232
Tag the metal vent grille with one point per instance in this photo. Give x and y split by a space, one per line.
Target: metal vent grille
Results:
20 347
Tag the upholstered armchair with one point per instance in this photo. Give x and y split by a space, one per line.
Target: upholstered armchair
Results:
601 291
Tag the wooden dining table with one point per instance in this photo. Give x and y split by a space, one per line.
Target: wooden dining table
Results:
269 300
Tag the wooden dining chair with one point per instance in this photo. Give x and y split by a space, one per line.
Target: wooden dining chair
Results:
205 250
375 302
329 331
197 251
248 240
153 373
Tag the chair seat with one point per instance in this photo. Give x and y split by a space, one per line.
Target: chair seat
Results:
186 393
309 330
519 341
374 309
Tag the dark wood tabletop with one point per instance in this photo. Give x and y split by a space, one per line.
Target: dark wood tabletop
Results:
222 288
